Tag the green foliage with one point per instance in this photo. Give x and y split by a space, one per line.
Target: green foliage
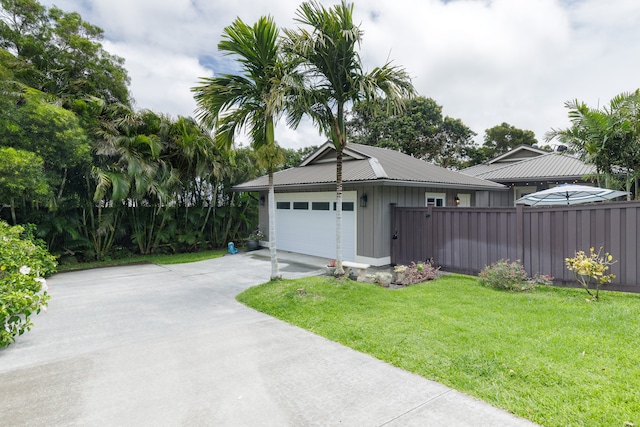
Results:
504 137
546 355
591 268
419 130
33 123
21 175
608 138
506 275
59 53
498 140
250 101
293 157
23 265
139 181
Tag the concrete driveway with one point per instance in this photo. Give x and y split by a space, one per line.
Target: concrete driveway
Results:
152 345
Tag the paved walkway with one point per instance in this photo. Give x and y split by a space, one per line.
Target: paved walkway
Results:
152 345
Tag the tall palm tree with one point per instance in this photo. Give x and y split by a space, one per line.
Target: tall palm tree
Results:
335 79
251 101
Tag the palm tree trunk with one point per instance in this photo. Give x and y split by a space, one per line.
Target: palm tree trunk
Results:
275 273
64 181
13 212
339 270
227 228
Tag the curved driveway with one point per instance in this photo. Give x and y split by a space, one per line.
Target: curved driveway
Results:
152 345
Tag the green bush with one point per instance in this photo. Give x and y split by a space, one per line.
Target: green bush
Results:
23 289
506 275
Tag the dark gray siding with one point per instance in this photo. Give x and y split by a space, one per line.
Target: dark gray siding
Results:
374 221
466 240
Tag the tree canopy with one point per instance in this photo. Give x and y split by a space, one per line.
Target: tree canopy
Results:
59 53
97 177
419 130
498 140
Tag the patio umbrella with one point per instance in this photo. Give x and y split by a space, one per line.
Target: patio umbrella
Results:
569 194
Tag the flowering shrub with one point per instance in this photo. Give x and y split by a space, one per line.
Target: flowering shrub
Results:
415 273
506 275
591 268
541 279
23 289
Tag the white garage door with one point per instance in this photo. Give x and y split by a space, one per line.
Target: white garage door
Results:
306 224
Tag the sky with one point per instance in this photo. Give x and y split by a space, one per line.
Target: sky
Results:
484 61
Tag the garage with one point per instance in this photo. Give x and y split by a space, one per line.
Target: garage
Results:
306 223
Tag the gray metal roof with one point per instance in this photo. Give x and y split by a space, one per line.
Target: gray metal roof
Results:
369 164
547 166
517 154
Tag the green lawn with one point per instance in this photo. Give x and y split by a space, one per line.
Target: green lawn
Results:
549 355
153 259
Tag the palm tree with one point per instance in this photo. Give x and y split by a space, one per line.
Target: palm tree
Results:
607 138
586 135
335 79
251 101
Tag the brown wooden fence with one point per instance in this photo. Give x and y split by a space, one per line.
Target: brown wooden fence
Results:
465 240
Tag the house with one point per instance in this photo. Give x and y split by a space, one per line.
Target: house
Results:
527 169
373 179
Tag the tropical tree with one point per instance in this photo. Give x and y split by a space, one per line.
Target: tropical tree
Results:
420 131
335 79
21 176
60 53
293 157
607 137
504 137
31 122
251 101
624 133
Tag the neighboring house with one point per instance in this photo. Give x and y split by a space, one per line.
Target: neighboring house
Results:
373 179
526 169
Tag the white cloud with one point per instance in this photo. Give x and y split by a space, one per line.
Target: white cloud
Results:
485 61
161 79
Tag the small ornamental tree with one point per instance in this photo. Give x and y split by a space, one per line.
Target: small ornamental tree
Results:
591 268
23 288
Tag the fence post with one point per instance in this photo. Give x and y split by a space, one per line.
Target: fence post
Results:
394 235
431 247
520 232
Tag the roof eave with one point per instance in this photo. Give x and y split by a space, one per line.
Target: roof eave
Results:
371 182
536 178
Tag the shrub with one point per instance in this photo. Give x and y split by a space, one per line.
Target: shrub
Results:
23 290
591 268
541 279
415 273
506 275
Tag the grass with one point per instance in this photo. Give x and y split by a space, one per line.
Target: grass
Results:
549 355
153 259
